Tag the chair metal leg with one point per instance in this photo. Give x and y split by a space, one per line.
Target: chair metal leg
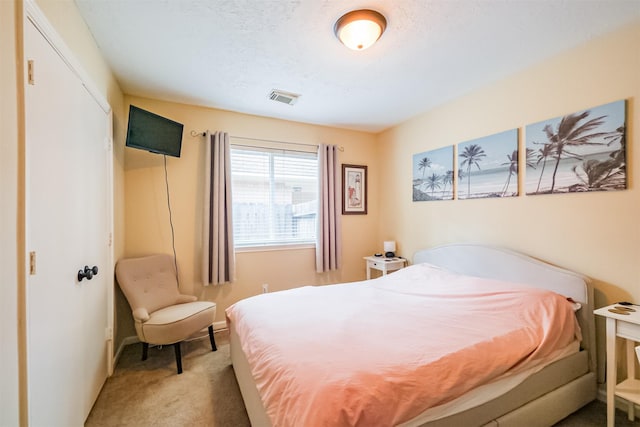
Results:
145 350
213 340
176 346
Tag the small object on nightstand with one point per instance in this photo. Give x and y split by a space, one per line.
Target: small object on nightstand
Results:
389 249
617 311
378 255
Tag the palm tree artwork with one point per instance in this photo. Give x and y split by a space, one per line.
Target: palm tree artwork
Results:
430 175
433 183
472 155
424 164
608 174
513 169
447 178
543 153
481 162
582 151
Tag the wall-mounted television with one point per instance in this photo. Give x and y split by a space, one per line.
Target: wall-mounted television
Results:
154 133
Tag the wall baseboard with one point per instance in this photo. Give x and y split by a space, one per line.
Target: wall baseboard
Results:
220 326
125 342
217 326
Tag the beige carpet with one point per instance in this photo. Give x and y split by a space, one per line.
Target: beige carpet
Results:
150 393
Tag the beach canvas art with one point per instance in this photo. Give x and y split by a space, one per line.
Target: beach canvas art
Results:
433 175
583 151
488 166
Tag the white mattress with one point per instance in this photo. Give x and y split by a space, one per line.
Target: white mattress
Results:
490 391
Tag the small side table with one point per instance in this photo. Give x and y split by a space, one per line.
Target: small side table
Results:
627 327
384 264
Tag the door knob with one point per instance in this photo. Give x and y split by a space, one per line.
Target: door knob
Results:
87 273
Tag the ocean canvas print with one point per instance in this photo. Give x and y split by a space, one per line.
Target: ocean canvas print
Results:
488 166
433 175
579 152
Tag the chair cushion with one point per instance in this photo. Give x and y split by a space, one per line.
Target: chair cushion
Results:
177 322
149 282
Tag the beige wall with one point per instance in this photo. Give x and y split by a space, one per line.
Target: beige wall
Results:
597 234
65 18
147 222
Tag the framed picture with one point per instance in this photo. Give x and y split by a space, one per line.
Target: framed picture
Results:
354 190
433 175
580 152
488 166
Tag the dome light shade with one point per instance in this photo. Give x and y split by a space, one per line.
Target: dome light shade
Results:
359 29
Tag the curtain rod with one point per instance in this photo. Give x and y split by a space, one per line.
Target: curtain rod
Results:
195 133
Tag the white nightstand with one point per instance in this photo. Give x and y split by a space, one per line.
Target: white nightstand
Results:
384 264
627 327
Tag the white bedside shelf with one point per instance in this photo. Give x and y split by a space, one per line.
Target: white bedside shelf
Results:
627 327
629 389
383 264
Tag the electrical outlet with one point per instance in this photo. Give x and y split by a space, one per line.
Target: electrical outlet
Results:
265 288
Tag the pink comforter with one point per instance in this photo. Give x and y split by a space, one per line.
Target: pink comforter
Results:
380 352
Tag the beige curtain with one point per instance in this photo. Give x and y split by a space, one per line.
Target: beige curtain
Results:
329 236
218 263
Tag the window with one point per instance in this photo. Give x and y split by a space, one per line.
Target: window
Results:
275 196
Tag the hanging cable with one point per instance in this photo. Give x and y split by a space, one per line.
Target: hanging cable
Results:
173 239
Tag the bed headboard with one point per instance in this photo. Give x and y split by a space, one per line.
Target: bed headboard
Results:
504 264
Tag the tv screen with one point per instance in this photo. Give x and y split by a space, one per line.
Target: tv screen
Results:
154 133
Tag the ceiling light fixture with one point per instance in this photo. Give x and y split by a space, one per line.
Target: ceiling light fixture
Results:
359 29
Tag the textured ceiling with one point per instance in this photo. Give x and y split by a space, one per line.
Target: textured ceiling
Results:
230 54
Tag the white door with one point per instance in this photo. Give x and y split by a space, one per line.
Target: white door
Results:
67 228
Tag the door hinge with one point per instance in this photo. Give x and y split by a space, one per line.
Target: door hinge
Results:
108 334
110 239
30 72
32 263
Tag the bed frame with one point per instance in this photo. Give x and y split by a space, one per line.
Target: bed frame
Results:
542 399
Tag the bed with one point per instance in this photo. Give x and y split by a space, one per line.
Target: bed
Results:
289 375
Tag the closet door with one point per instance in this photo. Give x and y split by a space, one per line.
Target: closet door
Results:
67 224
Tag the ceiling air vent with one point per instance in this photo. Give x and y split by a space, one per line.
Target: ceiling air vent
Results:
284 97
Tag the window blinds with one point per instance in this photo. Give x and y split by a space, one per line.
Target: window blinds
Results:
275 196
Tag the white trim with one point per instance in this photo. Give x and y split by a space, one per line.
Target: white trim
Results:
220 326
111 286
39 20
275 247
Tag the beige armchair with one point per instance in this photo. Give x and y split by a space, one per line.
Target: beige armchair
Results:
162 315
